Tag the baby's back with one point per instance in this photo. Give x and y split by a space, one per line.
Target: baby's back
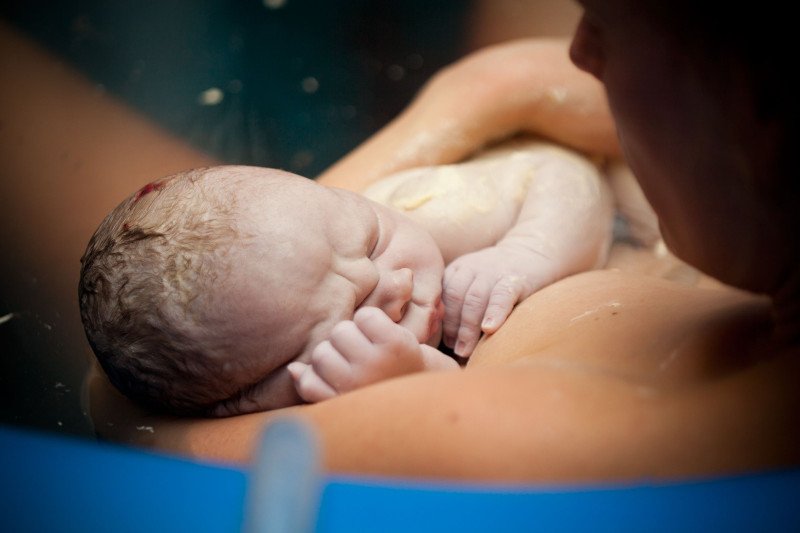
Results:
471 205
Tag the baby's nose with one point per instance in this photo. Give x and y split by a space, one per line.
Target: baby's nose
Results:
393 293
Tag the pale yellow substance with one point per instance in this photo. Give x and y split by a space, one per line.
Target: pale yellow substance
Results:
473 204
442 184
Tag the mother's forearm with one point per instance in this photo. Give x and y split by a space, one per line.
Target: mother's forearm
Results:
522 86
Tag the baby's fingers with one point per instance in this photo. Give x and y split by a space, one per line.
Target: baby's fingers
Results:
398 351
308 384
332 367
505 295
380 330
473 310
456 284
354 346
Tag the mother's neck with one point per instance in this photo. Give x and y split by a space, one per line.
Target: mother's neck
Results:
786 309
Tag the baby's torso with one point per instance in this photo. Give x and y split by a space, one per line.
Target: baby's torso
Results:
471 205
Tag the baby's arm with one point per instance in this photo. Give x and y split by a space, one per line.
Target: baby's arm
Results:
564 227
368 349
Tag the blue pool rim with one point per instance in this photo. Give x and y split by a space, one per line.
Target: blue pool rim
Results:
53 483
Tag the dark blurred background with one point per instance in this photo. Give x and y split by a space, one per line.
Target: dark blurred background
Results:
293 84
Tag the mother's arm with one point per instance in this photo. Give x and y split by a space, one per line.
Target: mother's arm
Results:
522 86
510 424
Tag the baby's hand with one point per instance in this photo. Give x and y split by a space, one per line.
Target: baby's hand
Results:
481 289
361 351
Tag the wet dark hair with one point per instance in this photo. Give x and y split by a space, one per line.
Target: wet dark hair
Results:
143 293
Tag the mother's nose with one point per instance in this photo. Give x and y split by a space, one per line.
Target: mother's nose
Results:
392 293
586 50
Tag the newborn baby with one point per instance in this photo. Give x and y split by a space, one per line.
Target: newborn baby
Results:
230 290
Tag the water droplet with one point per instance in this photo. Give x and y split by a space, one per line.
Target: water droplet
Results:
274 4
395 72
310 85
414 61
301 160
235 86
557 94
211 96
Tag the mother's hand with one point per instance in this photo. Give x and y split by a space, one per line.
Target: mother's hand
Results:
521 86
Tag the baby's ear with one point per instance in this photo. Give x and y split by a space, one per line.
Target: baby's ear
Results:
277 391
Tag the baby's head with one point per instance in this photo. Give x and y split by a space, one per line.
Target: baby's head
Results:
197 291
